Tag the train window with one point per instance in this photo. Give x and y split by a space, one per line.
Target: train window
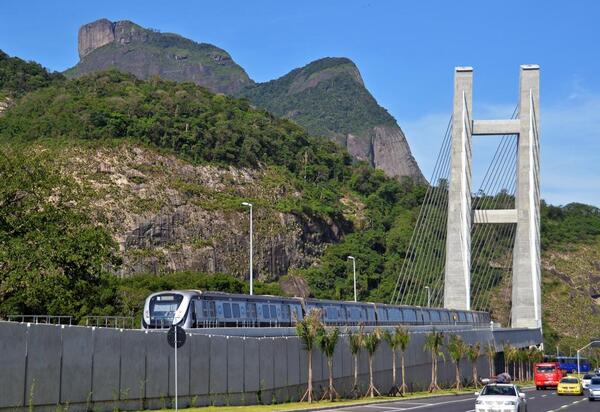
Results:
462 317
470 317
409 315
227 310
265 309
236 310
445 317
435 316
251 310
273 312
426 317
285 311
209 309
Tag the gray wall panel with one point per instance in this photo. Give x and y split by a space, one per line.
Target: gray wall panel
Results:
293 361
280 362
133 364
199 364
13 344
43 364
76 380
105 380
251 365
157 365
235 365
266 363
218 365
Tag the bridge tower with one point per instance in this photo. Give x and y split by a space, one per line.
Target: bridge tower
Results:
526 278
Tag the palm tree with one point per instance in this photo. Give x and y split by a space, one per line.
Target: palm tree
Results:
506 351
355 340
457 348
392 339
473 355
490 352
433 343
327 341
307 330
403 338
371 342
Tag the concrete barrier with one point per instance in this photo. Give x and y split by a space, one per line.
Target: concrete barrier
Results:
102 369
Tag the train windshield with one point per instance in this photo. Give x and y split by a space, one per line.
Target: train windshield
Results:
163 307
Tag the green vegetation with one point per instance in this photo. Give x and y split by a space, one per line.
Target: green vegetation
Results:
336 90
18 77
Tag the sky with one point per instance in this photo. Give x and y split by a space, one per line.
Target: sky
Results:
406 52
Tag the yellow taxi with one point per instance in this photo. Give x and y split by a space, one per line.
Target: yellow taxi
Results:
569 385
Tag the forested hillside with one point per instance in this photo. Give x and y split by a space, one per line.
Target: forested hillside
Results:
114 187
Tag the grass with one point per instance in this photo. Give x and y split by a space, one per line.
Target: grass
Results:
325 404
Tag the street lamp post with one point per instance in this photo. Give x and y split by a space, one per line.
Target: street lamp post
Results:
353 274
249 205
428 296
594 342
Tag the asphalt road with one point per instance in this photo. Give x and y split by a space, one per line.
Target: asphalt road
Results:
537 401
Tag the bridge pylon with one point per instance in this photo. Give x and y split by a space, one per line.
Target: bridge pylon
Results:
526 277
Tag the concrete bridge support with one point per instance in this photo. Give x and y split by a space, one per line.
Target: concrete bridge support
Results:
526 289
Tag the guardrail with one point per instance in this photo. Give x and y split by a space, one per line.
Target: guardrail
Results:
41 319
119 322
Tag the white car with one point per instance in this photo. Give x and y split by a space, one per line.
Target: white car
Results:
500 397
586 380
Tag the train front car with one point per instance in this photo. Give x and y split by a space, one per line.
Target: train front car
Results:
163 309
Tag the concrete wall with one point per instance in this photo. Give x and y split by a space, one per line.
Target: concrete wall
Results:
104 369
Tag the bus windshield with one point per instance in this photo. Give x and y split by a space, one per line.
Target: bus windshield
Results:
546 369
163 307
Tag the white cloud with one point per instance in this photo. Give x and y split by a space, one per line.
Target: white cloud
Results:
570 144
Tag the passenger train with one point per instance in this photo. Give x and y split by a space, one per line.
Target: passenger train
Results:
196 309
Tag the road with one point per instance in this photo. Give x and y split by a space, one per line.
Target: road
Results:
537 401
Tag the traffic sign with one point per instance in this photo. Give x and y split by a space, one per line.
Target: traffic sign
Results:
176 334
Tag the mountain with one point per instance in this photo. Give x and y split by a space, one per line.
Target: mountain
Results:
128 47
327 97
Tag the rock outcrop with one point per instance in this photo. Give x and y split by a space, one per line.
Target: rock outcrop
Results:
131 48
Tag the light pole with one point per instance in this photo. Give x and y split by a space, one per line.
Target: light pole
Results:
249 205
594 342
428 296
353 274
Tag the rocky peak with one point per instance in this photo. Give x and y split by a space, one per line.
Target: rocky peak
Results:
102 32
322 70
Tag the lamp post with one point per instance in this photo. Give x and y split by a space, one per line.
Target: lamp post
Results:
428 296
249 205
594 342
353 274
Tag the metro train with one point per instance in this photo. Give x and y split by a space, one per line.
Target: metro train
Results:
197 309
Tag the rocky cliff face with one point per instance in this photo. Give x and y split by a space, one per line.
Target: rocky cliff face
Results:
168 215
328 97
145 53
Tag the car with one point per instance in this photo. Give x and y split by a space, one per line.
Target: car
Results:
502 397
585 381
594 389
569 385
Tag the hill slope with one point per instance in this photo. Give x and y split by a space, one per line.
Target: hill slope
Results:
125 46
328 98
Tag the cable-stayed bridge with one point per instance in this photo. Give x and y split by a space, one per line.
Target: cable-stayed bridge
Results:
479 248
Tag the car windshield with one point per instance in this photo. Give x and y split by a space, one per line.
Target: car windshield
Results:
588 376
569 380
499 390
595 381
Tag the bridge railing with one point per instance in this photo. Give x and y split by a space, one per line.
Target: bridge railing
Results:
42 319
119 322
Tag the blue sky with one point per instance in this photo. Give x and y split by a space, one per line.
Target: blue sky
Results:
405 50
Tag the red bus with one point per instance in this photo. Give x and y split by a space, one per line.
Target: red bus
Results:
546 374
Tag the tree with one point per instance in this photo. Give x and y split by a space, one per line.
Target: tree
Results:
473 352
371 342
433 343
404 338
307 330
327 341
394 340
355 340
490 352
457 348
